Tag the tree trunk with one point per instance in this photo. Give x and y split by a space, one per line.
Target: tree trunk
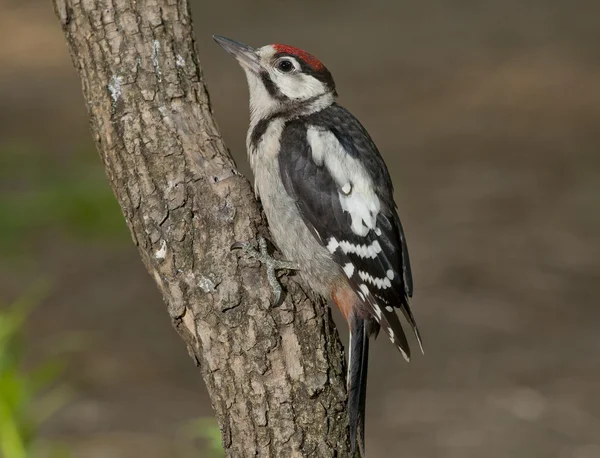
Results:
275 375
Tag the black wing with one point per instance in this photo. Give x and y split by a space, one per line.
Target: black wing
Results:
376 263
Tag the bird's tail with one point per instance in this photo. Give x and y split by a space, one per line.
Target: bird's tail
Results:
358 363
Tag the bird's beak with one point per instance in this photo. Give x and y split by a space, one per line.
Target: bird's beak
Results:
245 55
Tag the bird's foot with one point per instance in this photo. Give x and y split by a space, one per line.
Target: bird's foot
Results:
262 254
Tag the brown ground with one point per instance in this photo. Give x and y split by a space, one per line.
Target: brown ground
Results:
487 113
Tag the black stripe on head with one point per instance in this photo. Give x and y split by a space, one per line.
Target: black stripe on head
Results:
270 86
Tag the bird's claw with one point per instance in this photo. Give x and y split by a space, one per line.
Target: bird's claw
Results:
262 254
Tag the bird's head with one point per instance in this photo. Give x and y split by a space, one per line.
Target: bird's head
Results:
281 78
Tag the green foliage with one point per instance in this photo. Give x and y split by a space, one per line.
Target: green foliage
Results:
207 430
27 398
40 192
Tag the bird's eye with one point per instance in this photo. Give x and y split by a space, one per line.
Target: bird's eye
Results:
285 66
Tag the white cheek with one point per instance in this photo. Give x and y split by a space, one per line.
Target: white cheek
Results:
261 102
298 86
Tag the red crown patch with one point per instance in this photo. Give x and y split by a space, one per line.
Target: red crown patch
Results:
309 59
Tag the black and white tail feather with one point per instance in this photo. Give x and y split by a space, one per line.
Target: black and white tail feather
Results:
358 365
344 192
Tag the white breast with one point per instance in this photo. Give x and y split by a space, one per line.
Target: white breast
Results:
266 148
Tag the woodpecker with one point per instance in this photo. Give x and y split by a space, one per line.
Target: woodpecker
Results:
329 200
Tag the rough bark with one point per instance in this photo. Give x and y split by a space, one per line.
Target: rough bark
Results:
274 375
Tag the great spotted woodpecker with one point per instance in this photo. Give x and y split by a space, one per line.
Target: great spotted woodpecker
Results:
328 198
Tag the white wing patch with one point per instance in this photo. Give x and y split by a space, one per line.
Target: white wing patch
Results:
356 195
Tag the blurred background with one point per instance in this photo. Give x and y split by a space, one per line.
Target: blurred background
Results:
488 115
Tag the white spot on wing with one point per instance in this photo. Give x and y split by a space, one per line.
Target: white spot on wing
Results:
364 251
349 269
376 247
389 309
382 299
377 311
390 274
332 245
381 283
347 188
